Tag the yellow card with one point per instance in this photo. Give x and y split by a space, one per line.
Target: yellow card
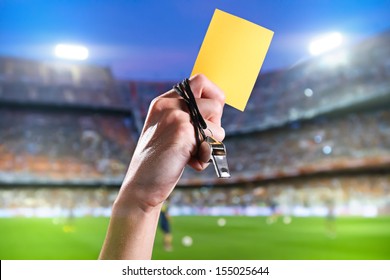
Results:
232 54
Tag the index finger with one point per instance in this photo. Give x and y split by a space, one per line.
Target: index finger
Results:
202 87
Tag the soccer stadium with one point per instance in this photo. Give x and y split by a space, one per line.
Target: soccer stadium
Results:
309 157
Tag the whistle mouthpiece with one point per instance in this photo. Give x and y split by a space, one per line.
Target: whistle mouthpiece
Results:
218 157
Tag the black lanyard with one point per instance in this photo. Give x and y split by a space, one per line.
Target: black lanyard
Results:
184 90
217 148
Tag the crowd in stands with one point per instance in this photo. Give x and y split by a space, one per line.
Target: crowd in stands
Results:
284 131
56 145
353 141
56 202
362 195
82 147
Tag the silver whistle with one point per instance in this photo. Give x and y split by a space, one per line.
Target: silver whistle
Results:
218 157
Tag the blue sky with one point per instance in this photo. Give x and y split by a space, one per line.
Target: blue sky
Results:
159 40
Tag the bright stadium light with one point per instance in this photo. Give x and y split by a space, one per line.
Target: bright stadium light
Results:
325 43
73 52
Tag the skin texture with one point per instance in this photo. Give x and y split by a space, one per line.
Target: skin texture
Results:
166 145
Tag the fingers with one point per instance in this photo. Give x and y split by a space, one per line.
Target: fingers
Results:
201 161
210 101
211 110
204 153
215 130
169 94
202 87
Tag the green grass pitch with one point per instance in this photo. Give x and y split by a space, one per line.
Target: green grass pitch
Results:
241 238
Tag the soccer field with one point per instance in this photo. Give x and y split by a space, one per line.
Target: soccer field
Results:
241 238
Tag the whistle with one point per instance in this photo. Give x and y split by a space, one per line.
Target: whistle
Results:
218 157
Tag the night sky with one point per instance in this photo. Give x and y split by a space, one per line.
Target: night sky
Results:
159 40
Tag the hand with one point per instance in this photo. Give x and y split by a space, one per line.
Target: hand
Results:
167 143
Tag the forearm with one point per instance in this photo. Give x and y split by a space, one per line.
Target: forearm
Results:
131 232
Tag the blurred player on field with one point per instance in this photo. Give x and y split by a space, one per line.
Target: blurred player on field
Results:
164 223
330 222
275 211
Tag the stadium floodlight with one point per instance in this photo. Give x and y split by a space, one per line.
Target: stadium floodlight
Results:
325 43
72 52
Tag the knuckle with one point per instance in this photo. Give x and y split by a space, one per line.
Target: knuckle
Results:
158 105
174 116
184 130
222 98
213 110
179 121
201 78
219 133
222 133
218 107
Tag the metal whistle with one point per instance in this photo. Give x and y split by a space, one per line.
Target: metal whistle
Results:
218 157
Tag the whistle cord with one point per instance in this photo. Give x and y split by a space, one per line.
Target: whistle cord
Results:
184 90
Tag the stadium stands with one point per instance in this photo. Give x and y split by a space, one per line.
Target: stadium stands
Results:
62 123
359 195
57 146
75 125
355 141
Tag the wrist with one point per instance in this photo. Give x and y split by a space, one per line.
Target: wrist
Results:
131 231
136 199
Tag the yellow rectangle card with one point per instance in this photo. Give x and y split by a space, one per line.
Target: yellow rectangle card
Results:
232 54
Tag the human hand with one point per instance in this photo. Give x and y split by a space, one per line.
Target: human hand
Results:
167 143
